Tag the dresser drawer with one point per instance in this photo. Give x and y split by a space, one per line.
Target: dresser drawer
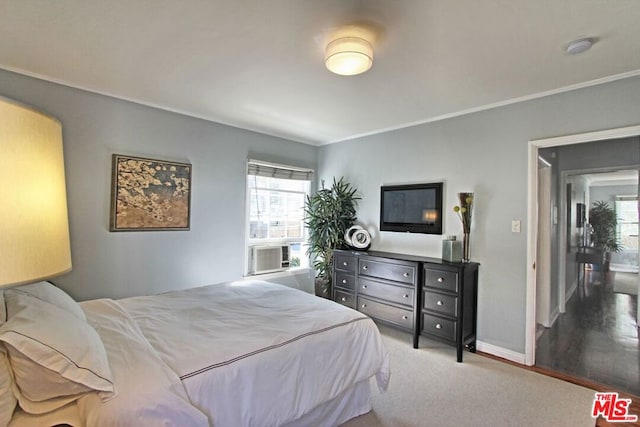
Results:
395 315
388 292
383 270
442 303
441 279
439 326
345 262
345 298
345 280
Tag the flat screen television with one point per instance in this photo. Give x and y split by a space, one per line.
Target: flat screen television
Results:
413 208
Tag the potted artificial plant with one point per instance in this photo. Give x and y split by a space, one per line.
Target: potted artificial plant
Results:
604 221
328 214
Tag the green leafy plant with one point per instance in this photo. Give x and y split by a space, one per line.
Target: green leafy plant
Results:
328 214
604 221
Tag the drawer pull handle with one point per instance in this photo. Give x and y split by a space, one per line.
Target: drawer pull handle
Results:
364 305
439 302
440 279
344 281
364 267
406 274
345 263
364 286
404 317
405 296
438 326
344 299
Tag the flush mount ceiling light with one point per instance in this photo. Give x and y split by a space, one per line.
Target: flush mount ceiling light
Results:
580 45
349 55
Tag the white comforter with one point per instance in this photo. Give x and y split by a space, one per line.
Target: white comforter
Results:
227 355
148 393
253 353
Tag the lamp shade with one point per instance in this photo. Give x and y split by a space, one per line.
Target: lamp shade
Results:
34 226
349 56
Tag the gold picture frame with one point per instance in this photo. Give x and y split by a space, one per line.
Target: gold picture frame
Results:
149 194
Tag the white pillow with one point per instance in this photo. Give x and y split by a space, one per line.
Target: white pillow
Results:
54 356
48 292
7 399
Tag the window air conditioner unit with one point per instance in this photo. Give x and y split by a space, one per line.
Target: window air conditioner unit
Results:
266 259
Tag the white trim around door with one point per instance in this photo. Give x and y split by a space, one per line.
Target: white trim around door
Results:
532 223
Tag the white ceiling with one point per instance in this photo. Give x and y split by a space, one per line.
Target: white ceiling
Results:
258 64
618 177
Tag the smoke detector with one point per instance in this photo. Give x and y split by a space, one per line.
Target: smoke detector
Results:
580 45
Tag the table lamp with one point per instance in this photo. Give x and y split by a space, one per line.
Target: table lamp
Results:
34 227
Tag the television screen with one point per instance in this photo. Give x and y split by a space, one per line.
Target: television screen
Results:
415 208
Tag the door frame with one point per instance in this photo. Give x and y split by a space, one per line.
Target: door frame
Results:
543 257
532 223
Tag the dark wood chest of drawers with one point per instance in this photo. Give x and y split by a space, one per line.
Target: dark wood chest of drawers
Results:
385 289
448 304
420 295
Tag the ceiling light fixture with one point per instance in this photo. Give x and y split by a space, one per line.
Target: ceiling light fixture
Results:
580 45
348 56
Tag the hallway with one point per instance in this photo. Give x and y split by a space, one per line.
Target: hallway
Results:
596 339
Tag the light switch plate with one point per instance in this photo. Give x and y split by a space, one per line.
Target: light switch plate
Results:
515 226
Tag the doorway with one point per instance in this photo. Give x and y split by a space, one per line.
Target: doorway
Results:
594 336
532 225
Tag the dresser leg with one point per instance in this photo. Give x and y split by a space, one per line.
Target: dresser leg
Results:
459 353
416 339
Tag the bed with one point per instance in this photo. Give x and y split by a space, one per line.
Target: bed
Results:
245 353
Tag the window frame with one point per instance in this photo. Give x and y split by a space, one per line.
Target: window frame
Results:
278 171
626 198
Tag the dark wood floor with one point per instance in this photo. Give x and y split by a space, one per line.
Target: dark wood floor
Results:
594 344
597 338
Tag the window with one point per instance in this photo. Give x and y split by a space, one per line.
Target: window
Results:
276 237
627 212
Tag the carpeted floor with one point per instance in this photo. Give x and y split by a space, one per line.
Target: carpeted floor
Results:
429 388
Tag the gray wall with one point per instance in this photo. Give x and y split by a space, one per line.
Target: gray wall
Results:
600 155
608 193
575 234
484 152
107 264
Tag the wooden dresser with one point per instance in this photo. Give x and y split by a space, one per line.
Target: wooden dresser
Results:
424 296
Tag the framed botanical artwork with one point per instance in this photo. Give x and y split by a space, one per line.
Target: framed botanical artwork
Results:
149 195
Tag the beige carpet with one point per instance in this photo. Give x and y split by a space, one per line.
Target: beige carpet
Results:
429 388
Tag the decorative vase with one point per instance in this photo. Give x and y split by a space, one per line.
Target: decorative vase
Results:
465 248
451 249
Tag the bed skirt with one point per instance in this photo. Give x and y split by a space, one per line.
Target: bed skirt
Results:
351 403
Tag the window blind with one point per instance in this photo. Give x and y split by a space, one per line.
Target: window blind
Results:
274 170
626 198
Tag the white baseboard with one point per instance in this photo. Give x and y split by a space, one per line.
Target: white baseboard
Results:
555 315
504 353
